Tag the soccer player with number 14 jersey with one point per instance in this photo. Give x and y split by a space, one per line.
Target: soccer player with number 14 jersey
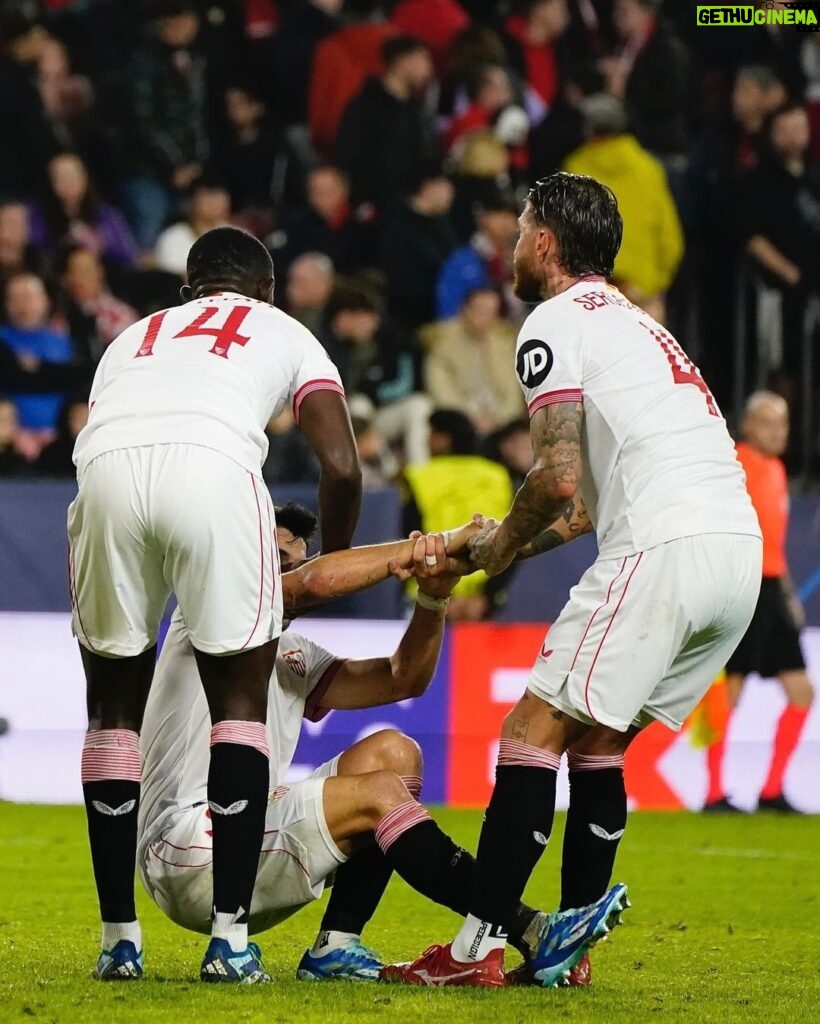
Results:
171 500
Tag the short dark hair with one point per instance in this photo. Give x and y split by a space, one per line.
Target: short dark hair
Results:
498 202
458 427
227 259
396 47
583 214
299 520
349 299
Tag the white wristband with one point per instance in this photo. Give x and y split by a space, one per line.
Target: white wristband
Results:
432 604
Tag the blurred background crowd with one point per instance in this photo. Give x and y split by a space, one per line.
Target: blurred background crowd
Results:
381 149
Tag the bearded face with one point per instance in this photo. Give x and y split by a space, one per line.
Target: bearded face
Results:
527 276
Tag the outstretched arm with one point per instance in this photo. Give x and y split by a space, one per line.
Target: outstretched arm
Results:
550 486
573 522
346 572
367 683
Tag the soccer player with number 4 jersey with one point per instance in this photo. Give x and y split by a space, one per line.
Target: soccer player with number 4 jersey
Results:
621 419
171 500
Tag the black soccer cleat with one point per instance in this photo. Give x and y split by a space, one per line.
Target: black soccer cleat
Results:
777 803
722 806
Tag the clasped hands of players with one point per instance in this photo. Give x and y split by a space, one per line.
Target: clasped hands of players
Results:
439 560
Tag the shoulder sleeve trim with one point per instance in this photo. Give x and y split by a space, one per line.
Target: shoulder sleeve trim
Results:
320 384
314 712
554 398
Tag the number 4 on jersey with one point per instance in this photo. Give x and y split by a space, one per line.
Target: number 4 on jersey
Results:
224 336
683 369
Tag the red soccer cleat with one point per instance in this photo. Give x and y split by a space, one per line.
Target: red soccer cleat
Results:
437 968
581 974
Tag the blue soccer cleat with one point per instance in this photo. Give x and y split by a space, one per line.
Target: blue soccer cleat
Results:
566 936
122 963
222 964
352 962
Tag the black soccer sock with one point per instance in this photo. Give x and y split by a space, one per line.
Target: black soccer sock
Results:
416 848
361 881
522 919
515 832
595 823
111 772
237 797
359 885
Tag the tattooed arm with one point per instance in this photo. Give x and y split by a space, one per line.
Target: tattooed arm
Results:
573 522
548 490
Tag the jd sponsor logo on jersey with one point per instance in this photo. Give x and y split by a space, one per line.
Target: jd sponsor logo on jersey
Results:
534 363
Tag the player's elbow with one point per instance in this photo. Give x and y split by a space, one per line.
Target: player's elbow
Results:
408 682
341 465
556 483
315 586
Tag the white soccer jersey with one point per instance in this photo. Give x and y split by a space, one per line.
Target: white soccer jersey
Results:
211 372
175 739
658 461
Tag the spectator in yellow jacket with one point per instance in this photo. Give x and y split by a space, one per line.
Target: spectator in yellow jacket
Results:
653 238
447 490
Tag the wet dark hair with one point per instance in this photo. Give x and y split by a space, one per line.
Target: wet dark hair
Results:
228 259
299 520
458 428
583 214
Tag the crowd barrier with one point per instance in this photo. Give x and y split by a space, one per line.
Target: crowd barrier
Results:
482 672
33 556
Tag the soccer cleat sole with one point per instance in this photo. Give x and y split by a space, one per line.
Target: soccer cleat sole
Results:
123 972
305 975
214 978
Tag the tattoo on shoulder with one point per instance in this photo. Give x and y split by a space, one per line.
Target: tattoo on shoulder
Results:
556 714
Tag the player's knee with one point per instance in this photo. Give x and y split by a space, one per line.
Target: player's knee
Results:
800 691
390 749
383 790
396 752
602 741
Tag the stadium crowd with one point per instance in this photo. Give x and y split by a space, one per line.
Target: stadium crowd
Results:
381 149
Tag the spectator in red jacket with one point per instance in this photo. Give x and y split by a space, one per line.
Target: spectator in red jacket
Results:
341 64
533 45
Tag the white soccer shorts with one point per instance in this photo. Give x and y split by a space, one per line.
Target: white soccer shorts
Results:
643 637
180 519
298 859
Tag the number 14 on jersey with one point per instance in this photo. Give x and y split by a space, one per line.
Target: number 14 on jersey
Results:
224 336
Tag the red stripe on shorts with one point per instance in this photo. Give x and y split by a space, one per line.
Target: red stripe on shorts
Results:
606 633
594 614
261 563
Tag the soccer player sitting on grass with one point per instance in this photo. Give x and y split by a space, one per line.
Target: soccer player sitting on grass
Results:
323 825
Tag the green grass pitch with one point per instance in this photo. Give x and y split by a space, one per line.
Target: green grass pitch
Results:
724 928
